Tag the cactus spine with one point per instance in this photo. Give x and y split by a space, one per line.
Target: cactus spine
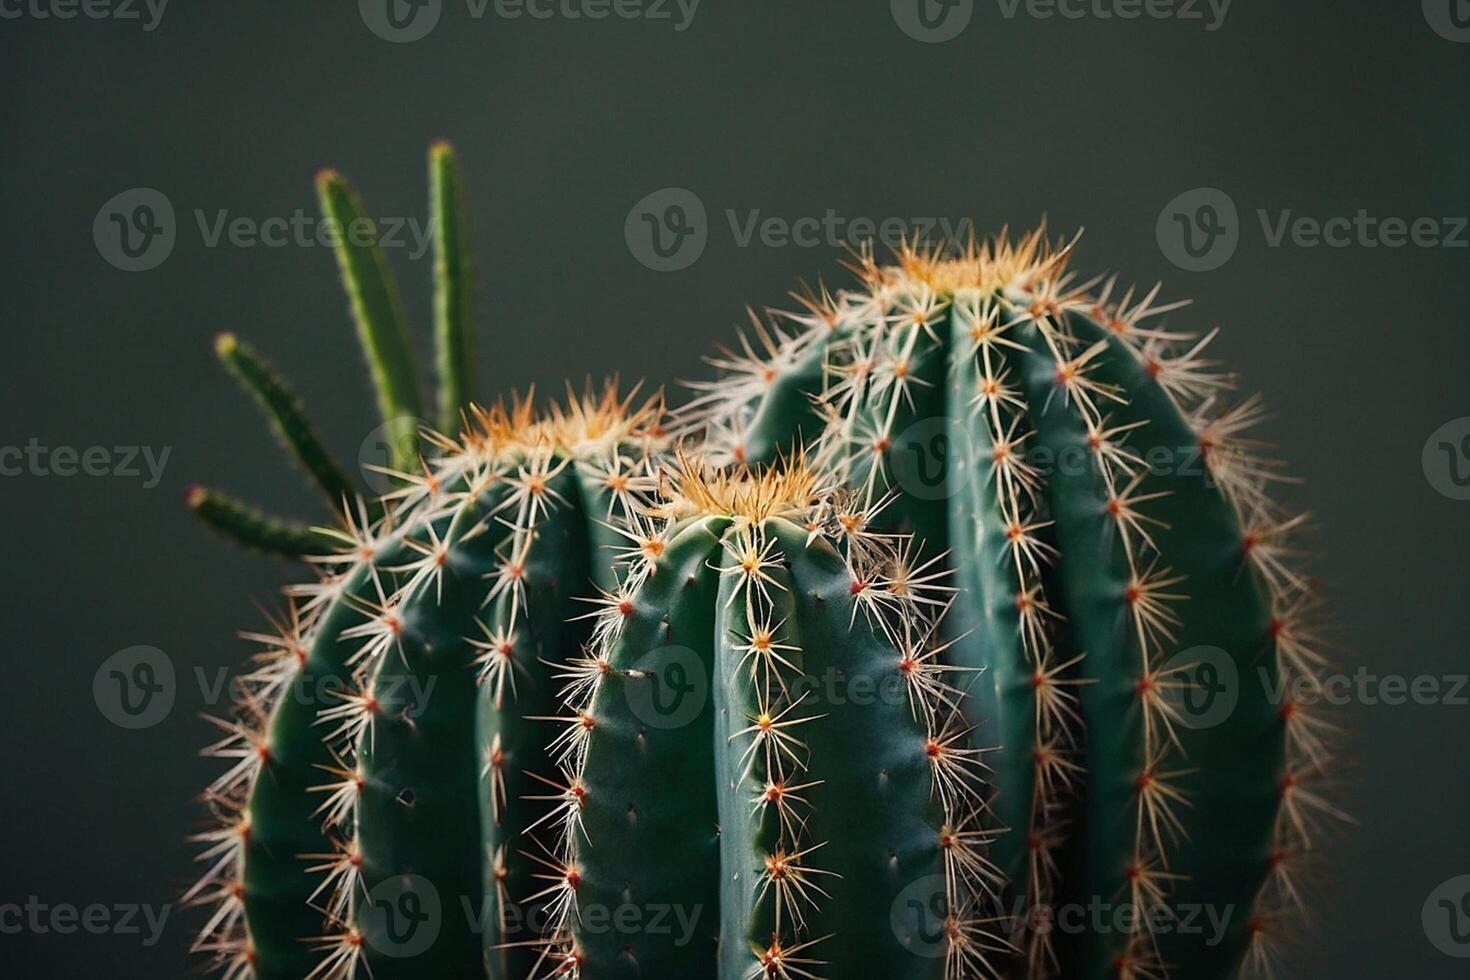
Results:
1109 524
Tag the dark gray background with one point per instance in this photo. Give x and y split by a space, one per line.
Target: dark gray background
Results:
791 108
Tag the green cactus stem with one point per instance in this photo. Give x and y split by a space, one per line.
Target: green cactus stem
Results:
1121 568
386 751
834 828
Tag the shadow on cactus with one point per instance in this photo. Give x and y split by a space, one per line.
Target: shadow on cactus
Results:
1001 647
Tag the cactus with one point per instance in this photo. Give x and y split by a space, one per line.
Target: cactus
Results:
894 659
384 741
1116 553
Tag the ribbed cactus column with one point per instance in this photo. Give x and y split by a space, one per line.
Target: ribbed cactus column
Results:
636 872
1122 573
410 859
388 771
841 782
391 776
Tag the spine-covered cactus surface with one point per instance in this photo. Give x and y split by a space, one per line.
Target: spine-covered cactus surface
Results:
385 756
1124 580
762 737
956 640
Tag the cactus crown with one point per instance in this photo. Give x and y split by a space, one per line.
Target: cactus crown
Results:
788 489
582 423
